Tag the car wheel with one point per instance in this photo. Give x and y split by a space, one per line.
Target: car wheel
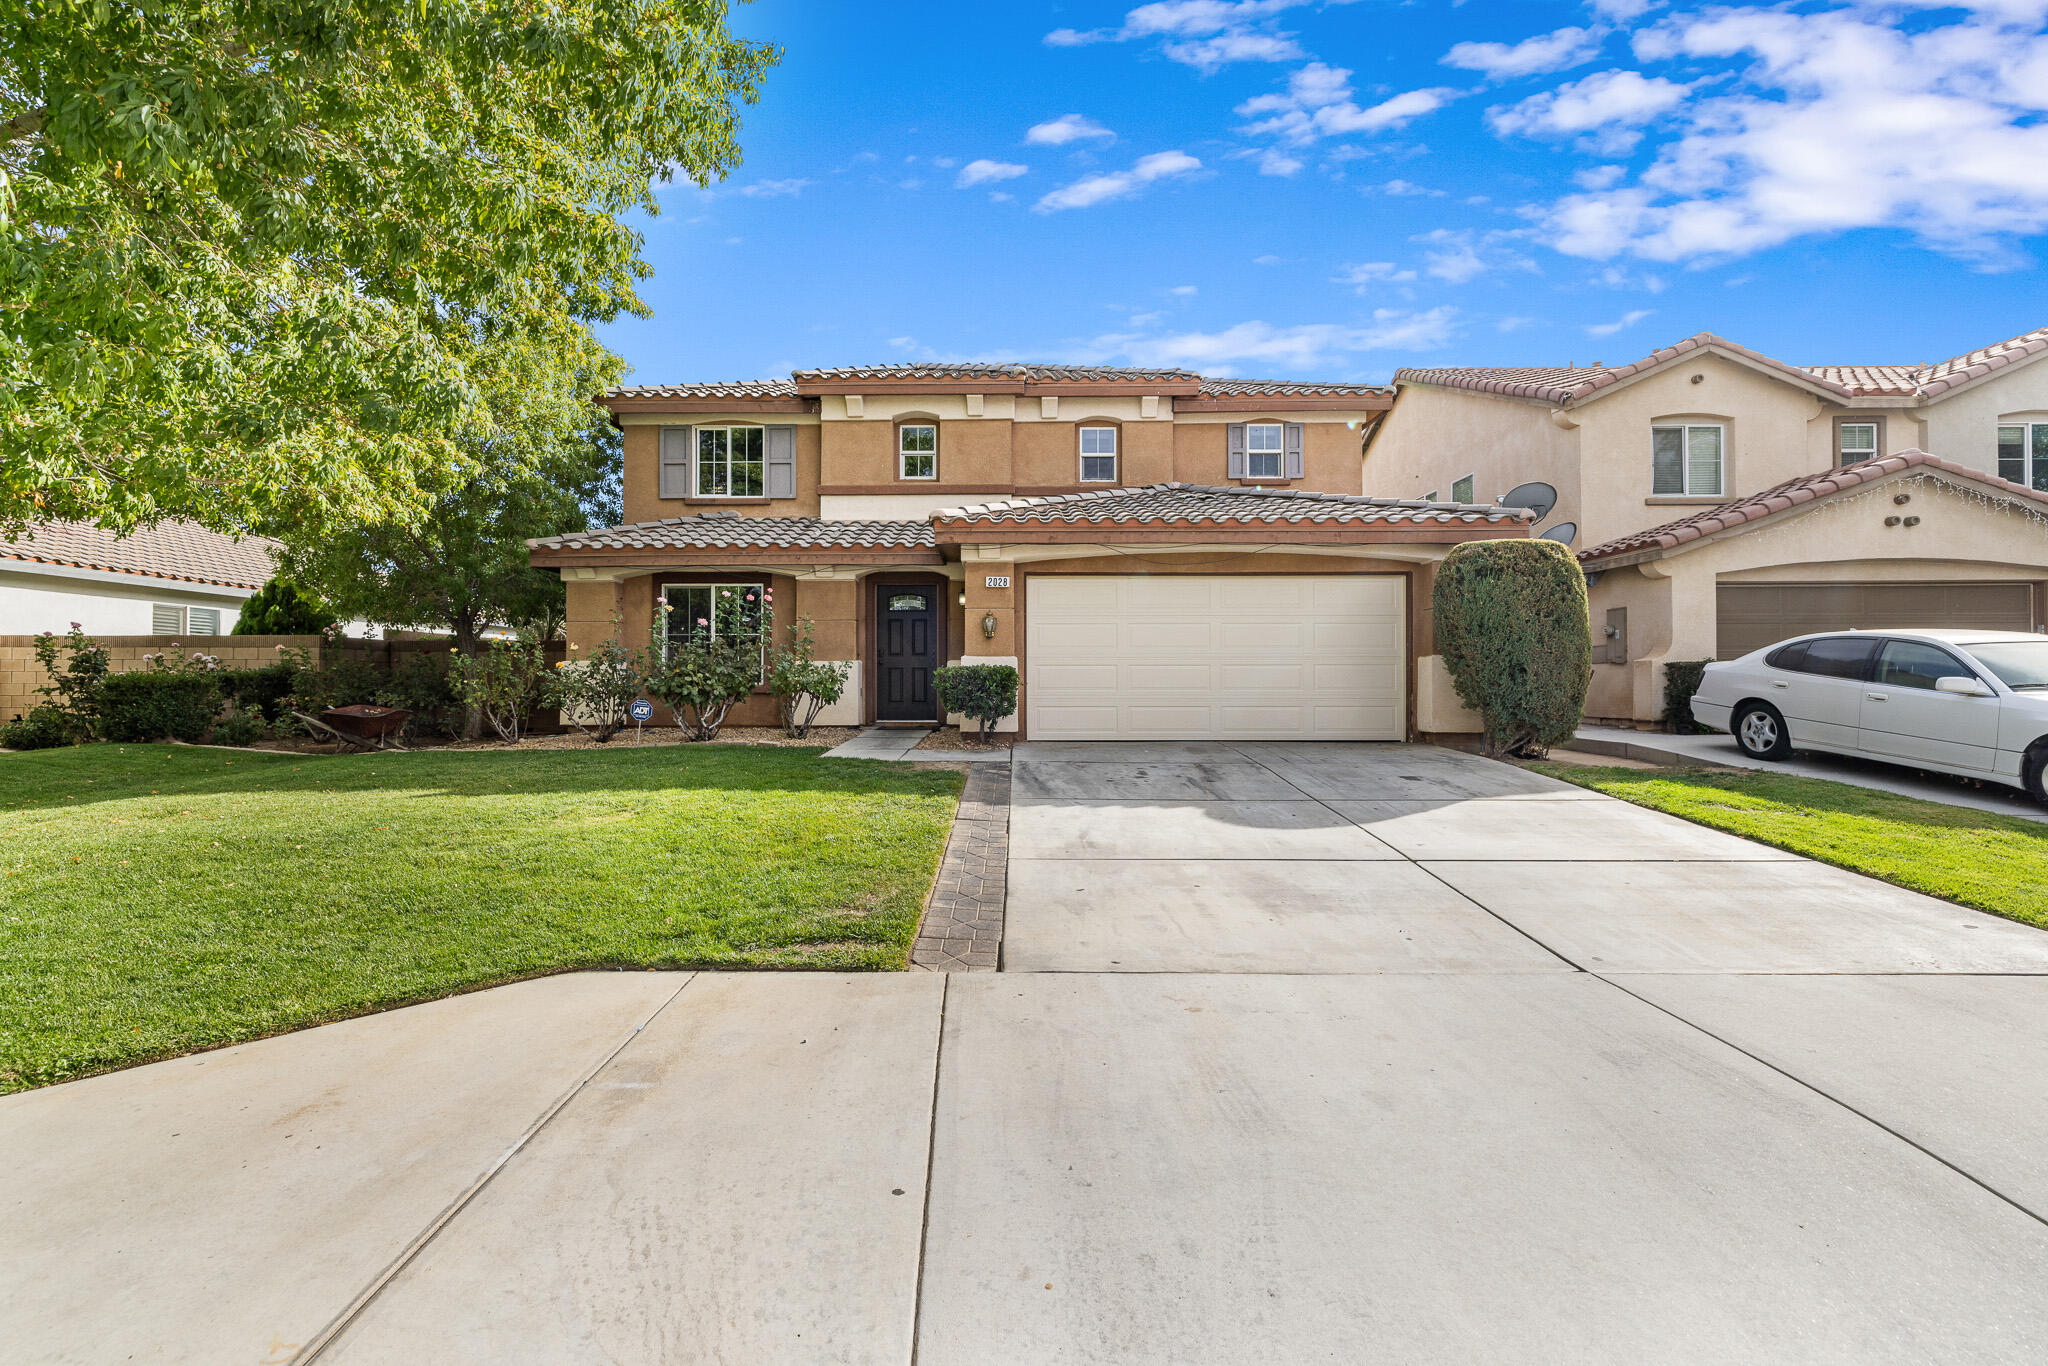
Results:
2034 770
1761 732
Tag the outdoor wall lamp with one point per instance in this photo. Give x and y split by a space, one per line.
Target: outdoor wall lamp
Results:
988 625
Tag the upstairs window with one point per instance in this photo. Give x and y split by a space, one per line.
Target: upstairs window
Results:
2023 454
1686 461
1265 449
1098 455
1461 491
729 462
1855 442
917 451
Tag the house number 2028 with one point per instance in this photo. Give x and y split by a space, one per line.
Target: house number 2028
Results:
996 581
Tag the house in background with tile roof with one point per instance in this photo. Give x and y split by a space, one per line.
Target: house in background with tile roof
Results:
177 578
1163 555
1861 495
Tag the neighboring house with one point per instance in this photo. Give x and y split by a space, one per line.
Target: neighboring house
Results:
1655 470
1162 555
174 579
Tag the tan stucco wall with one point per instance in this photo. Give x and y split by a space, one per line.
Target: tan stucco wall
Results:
1329 454
1964 428
1433 437
643 500
1960 538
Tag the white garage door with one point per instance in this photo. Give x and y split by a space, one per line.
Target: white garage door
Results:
1243 657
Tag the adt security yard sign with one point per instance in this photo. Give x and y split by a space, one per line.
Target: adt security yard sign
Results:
642 711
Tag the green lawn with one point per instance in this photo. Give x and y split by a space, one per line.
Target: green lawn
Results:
158 899
1978 858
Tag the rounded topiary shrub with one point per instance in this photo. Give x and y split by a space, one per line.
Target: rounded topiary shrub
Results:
1511 627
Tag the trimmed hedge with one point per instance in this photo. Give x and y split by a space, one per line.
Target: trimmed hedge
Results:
983 692
1681 681
157 705
1511 626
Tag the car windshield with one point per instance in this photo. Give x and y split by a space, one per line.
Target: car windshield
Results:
2018 663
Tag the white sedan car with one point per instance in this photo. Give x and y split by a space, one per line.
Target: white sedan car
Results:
1973 703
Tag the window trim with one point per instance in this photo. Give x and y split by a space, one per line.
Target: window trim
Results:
662 592
1279 452
920 423
696 493
1841 456
2033 462
1116 451
1686 429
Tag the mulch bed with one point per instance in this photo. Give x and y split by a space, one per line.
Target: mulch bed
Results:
952 737
821 736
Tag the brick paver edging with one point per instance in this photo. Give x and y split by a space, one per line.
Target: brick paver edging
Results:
963 921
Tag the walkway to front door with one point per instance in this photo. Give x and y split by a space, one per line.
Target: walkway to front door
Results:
906 652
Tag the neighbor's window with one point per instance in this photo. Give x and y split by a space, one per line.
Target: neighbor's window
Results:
715 611
1461 491
917 451
2023 454
1686 461
729 462
166 621
1265 450
1098 455
1855 441
202 621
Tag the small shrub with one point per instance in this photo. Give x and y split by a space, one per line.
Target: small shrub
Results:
158 704
262 691
701 678
240 728
803 687
503 683
1511 626
46 726
985 692
595 693
280 609
342 682
74 686
1681 681
420 684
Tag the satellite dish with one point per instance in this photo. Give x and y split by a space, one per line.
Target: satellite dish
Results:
1562 533
1538 498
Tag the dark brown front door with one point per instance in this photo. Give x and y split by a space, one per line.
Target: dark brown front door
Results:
907 650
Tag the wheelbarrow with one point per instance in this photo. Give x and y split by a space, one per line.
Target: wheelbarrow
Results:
361 727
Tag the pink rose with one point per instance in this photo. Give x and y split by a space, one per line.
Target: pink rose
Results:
702 622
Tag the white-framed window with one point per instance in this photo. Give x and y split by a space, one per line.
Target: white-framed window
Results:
730 462
1265 450
1856 442
1098 455
716 611
167 619
1685 461
917 450
1429 497
2023 453
1461 490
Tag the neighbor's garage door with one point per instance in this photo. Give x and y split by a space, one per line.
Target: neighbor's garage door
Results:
1753 615
1231 658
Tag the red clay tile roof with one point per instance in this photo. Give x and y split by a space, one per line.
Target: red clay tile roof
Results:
979 370
1012 373
735 388
724 529
183 551
1792 493
1198 503
1288 387
1568 384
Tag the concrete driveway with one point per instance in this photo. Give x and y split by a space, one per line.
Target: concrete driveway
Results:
1301 1053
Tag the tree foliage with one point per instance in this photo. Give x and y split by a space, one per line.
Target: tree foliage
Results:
279 608
1512 628
259 258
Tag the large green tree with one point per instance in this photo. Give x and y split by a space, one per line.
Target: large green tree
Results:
260 260
536 468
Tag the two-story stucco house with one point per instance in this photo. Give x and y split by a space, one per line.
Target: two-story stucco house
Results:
1721 500
1162 555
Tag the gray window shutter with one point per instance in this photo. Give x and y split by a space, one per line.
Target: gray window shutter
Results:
781 462
1294 468
675 461
1237 450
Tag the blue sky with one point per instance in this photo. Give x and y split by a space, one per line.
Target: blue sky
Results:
1334 190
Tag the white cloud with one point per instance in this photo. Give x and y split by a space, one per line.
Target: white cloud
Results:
1832 121
1273 161
1598 177
1200 33
1626 320
1184 291
1407 189
1268 260
1368 273
1567 47
1318 103
772 189
1621 11
1065 129
1098 189
1298 349
1610 104
985 172
1458 255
